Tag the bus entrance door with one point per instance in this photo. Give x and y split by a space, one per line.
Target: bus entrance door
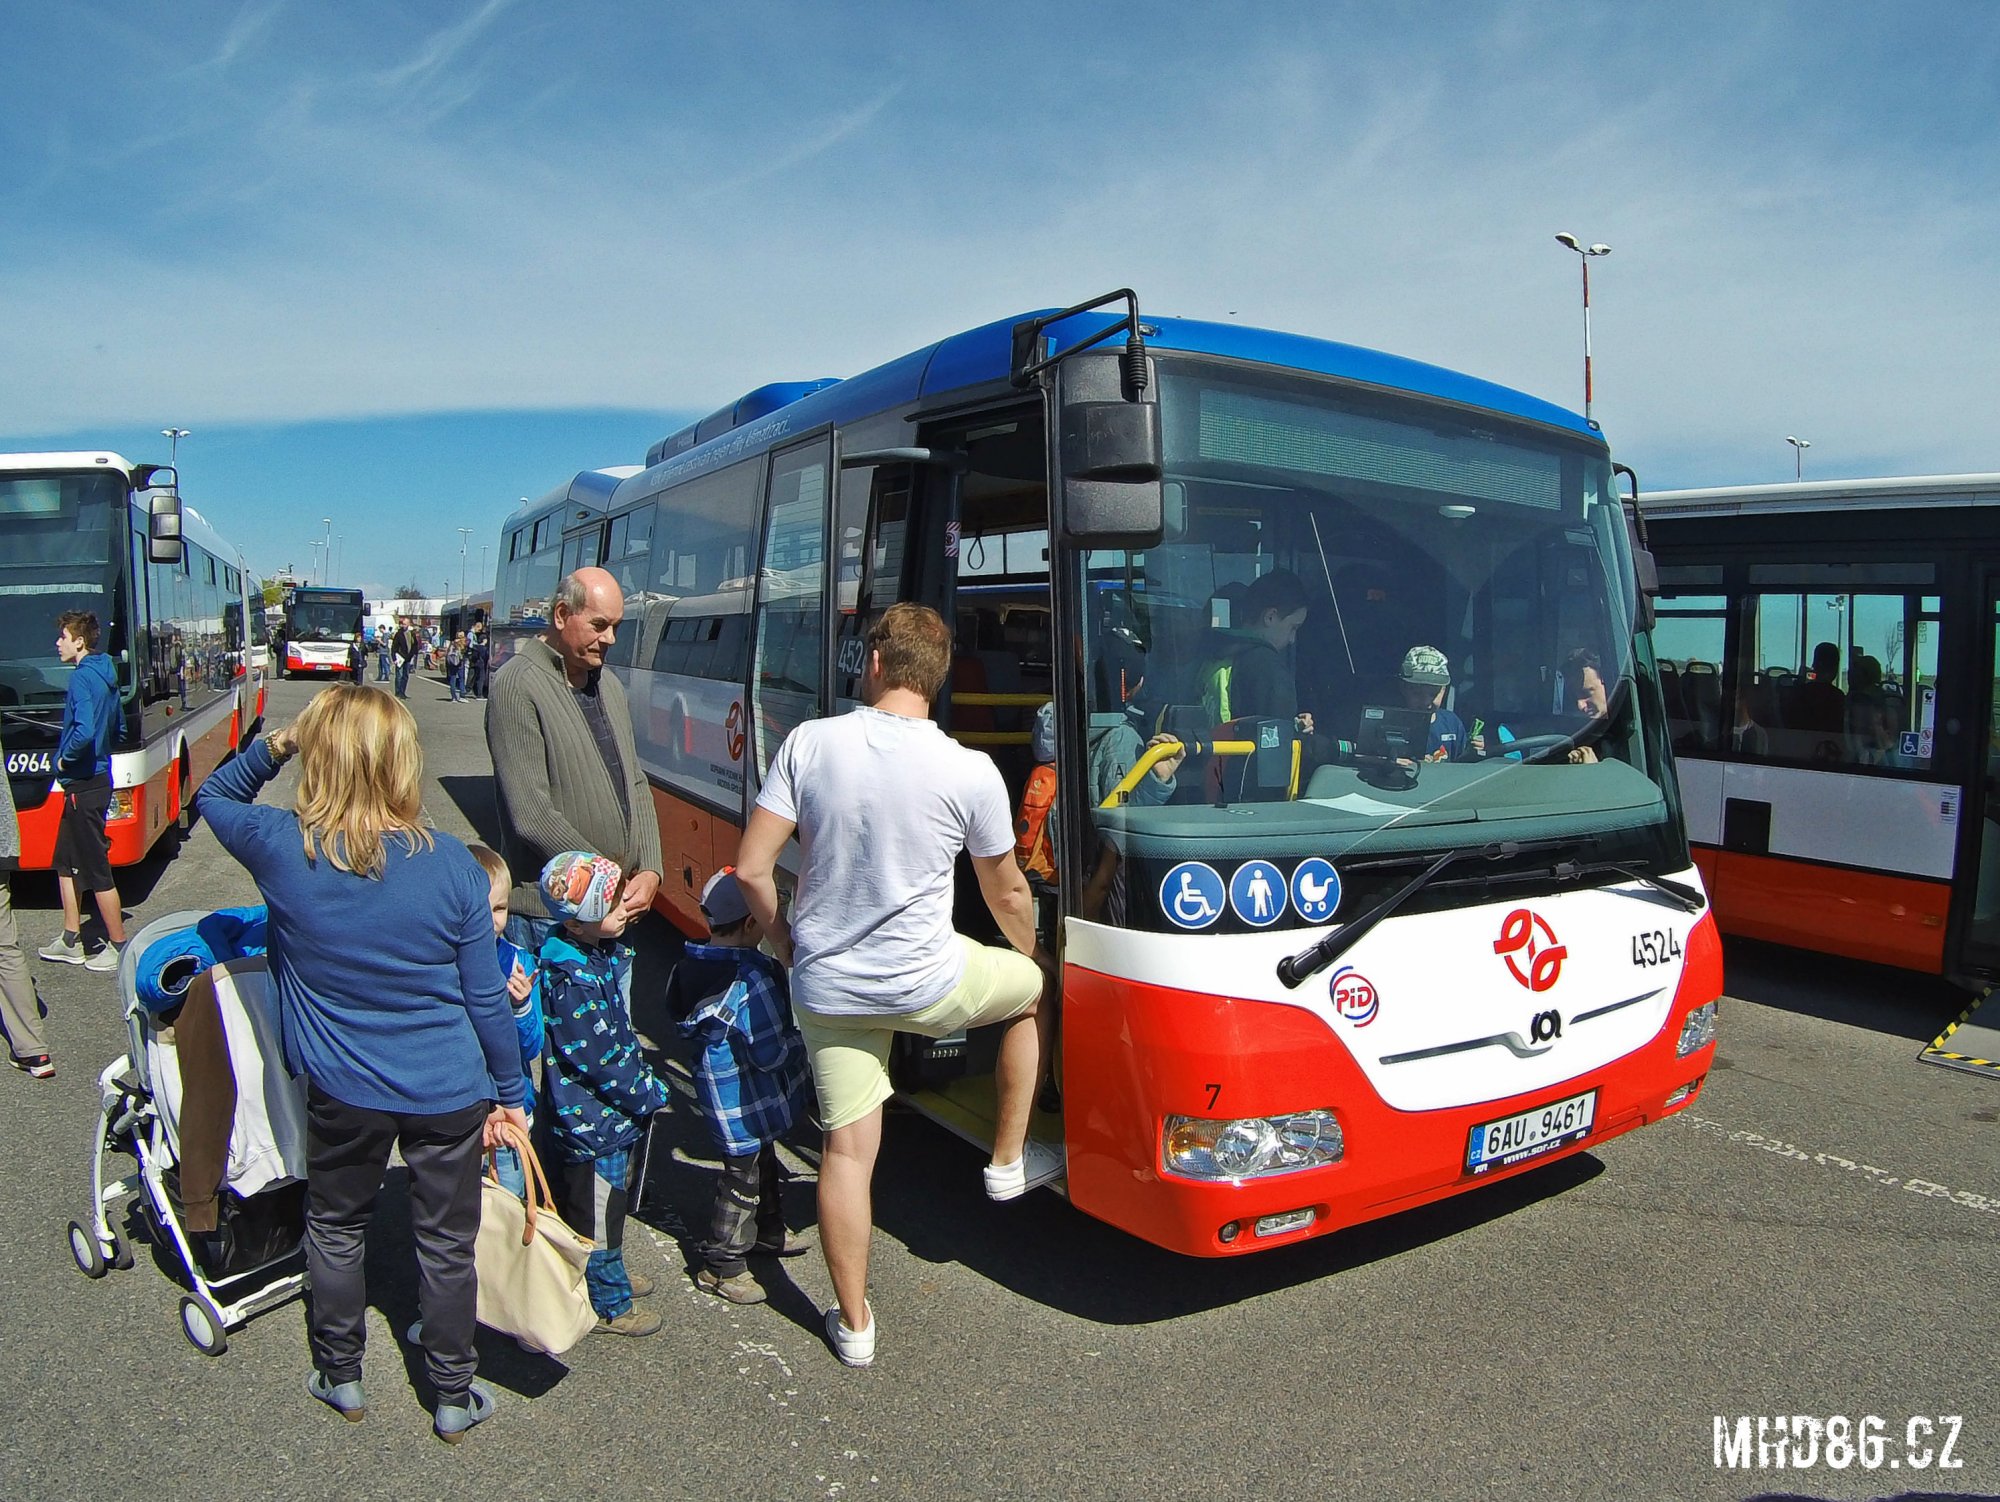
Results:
1979 943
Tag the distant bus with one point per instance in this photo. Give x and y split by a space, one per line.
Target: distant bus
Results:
93 531
322 624
1329 978
465 612
543 540
1829 660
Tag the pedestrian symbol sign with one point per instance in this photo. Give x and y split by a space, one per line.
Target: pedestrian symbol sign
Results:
1191 896
1257 892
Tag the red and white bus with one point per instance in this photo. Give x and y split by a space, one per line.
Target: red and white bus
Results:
92 531
1829 654
1326 979
322 624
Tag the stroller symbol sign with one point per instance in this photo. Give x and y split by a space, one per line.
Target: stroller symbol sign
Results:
1315 889
1191 895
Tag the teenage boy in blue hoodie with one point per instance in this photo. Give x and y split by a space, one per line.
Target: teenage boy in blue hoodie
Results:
91 720
598 1088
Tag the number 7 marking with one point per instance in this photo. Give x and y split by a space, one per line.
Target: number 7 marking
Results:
1214 1091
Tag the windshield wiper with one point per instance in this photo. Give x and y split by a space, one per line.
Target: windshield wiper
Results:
1684 897
1295 969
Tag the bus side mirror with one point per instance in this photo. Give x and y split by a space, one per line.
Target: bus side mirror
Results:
163 529
1108 450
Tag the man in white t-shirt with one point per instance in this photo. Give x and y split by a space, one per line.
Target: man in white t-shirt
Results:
883 801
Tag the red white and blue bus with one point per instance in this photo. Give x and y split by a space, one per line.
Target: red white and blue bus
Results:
540 542
1327 979
92 531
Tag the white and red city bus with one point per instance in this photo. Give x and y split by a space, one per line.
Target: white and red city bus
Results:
1326 979
1829 653
92 531
322 624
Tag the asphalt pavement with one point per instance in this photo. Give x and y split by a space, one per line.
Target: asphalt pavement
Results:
1817 1236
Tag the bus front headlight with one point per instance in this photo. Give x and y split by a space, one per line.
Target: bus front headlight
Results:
1251 1146
1698 1031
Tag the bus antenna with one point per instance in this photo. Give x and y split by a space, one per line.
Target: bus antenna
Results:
1338 619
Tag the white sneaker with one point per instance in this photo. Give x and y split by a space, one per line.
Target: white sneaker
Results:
853 1347
63 951
103 958
1038 1164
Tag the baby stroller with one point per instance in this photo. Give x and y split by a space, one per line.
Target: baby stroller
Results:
243 1120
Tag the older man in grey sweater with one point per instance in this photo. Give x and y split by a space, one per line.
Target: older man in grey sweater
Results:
565 770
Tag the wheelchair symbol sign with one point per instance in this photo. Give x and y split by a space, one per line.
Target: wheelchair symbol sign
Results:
1257 892
1191 896
1315 889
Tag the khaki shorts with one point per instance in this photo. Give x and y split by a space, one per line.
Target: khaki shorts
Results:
850 1055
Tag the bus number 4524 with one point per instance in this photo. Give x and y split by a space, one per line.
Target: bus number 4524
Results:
1655 948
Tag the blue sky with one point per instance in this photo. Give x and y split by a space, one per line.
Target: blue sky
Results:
401 264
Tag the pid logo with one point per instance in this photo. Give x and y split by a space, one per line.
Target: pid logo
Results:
1528 944
1354 996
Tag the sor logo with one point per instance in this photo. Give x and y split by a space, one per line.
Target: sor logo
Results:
1354 996
1529 946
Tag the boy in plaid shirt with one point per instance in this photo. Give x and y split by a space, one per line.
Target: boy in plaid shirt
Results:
750 1074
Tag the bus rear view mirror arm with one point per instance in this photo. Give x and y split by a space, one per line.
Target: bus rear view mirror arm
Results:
955 460
1645 571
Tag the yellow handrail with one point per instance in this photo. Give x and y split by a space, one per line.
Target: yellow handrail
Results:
1002 701
1158 752
991 737
1163 749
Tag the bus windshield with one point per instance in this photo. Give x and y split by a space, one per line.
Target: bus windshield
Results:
324 619
1393 627
60 539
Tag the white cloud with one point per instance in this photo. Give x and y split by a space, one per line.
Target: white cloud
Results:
428 233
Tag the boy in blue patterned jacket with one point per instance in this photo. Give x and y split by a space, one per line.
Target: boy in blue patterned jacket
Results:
598 1088
750 1075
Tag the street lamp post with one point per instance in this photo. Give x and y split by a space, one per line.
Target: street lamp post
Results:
464 537
315 544
174 437
1587 252
482 563
326 557
1799 447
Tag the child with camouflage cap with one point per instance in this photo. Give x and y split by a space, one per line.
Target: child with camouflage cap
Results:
599 1088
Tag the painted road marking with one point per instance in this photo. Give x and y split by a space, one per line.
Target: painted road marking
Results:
1985 1204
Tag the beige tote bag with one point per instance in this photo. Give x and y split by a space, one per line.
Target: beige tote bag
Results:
530 1264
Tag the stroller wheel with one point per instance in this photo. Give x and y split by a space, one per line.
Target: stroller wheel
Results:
121 1251
201 1323
83 1246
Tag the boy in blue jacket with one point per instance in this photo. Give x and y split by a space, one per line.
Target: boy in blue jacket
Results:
92 719
517 965
750 1075
595 1081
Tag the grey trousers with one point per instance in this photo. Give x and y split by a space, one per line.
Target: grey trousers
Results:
20 1008
346 1150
